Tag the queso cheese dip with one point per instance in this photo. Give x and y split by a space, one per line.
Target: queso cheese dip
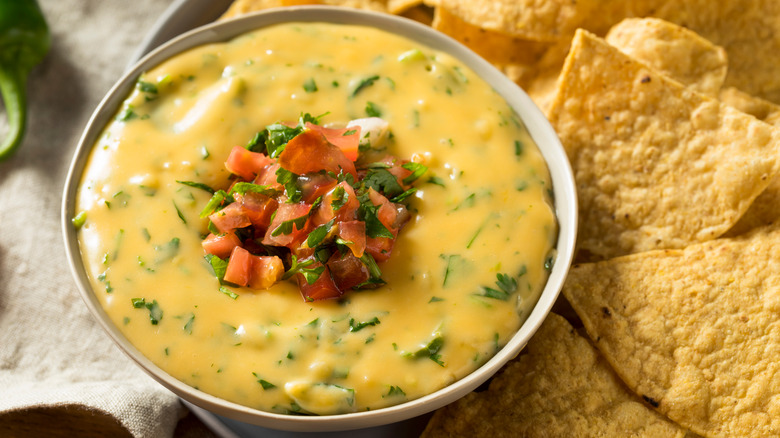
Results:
464 273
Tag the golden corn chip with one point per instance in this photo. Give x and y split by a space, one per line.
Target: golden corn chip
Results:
549 20
240 7
657 165
420 13
695 332
749 30
755 106
514 56
533 65
399 6
674 51
561 387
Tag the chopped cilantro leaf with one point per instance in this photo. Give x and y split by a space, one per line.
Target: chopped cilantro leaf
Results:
372 110
340 198
417 170
228 292
278 136
395 390
431 350
310 86
286 227
197 185
402 197
318 234
218 265
519 147
155 312
178 212
147 87
242 188
506 286
264 383
383 181
290 182
365 83
217 202
188 325
355 326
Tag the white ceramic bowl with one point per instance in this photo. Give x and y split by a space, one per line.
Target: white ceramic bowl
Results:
538 126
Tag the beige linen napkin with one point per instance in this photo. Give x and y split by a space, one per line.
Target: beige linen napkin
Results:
52 352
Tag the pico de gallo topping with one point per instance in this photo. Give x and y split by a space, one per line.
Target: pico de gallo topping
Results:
305 203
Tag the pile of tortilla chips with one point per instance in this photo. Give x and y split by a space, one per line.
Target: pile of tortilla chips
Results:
667 110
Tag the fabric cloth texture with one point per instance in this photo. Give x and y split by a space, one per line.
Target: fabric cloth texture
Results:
52 351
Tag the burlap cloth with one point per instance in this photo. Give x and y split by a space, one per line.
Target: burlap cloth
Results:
53 355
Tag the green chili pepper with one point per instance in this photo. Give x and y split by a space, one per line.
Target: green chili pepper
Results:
24 41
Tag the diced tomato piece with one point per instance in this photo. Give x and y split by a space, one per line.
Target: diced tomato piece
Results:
265 271
245 163
315 185
386 212
354 232
267 176
322 289
346 212
400 174
347 271
239 267
380 248
230 218
310 152
287 212
259 209
347 139
221 245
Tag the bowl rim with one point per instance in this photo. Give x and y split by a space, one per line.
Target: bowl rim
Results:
538 127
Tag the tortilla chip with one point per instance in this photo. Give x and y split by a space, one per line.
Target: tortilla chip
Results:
550 20
749 30
532 65
755 106
657 165
561 387
695 332
516 57
764 211
240 7
399 6
420 13
674 51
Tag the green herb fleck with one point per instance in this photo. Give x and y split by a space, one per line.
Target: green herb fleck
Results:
197 185
79 220
365 83
178 212
228 292
372 110
355 326
519 148
395 390
264 383
310 86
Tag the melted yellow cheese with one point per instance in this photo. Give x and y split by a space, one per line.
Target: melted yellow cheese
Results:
482 210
